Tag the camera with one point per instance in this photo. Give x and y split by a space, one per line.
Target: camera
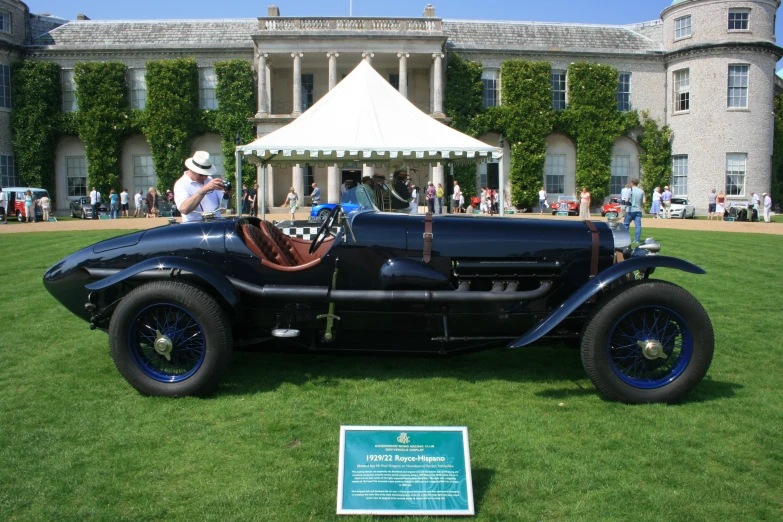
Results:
226 185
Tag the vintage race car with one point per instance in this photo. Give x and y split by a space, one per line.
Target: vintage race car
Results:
566 204
176 300
614 206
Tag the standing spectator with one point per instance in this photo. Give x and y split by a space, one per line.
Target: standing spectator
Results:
584 204
153 200
245 199
95 201
491 200
2 205
46 207
542 200
754 198
114 204
315 194
666 200
292 199
29 206
456 197
637 201
712 204
170 196
414 199
254 197
767 207
137 203
439 194
124 203
625 198
655 208
432 193
483 200
720 207
344 187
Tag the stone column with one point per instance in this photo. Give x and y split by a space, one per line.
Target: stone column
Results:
368 55
298 182
270 186
332 69
368 170
437 71
403 87
297 109
263 106
333 184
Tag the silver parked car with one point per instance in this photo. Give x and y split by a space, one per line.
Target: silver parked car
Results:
682 208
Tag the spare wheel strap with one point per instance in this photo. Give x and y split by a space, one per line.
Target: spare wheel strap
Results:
596 247
427 253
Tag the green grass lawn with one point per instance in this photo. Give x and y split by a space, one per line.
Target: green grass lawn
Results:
78 443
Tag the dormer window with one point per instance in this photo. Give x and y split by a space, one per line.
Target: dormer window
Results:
739 19
682 27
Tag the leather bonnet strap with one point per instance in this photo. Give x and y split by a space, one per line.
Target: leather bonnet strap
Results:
595 248
427 253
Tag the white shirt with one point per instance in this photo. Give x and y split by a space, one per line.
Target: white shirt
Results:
767 202
186 187
457 193
541 194
95 197
755 199
137 199
2 199
124 197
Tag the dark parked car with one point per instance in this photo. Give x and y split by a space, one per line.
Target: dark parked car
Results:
83 208
176 300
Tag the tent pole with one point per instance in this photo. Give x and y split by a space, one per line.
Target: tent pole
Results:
238 172
450 204
502 178
262 200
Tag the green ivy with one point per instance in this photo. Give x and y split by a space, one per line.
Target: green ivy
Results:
655 155
37 95
173 116
236 97
776 193
102 120
463 93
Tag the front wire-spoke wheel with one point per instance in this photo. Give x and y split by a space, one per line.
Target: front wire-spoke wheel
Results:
648 341
170 339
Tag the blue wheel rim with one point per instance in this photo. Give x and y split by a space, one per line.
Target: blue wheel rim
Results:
641 325
186 335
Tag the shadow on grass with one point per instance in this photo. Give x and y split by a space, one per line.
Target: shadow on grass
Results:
482 478
257 372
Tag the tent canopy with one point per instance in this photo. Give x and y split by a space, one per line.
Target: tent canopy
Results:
363 119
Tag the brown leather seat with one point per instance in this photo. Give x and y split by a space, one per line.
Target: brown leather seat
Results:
277 250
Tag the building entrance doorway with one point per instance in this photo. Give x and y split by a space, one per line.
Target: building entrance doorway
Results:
352 176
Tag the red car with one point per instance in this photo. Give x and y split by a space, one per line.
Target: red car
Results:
615 205
566 204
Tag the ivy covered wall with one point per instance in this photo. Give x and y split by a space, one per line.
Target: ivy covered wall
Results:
236 95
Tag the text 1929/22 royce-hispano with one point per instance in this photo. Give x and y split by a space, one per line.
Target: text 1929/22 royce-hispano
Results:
176 300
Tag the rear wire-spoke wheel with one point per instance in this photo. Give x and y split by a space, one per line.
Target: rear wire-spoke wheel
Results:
323 214
170 339
648 341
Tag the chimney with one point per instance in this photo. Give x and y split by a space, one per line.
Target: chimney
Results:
429 11
273 10
82 17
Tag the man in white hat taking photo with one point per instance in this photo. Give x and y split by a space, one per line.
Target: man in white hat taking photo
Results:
196 191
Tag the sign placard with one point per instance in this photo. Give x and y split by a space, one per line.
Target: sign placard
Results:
404 470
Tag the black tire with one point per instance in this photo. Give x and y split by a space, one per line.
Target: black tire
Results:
323 214
19 217
687 340
140 364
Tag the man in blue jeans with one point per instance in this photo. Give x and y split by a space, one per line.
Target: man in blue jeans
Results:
634 214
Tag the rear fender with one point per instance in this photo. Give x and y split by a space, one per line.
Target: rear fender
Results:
168 267
595 285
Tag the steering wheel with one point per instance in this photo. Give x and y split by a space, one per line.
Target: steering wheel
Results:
325 230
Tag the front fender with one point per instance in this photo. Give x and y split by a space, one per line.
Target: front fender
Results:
597 284
171 264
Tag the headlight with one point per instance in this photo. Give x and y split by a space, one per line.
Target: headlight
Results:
620 233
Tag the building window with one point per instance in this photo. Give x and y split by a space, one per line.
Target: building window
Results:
738 19
682 27
738 86
680 175
558 82
682 90
5 21
309 179
138 89
76 175
9 174
143 174
307 91
490 84
207 82
735 174
394 80
621 169
624 93
5 87
69 92
554 170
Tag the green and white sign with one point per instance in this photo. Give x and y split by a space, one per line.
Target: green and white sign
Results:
404 470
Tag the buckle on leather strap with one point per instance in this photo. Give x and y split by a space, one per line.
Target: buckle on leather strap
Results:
427 235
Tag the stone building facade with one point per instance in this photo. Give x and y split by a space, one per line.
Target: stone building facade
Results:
706 67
